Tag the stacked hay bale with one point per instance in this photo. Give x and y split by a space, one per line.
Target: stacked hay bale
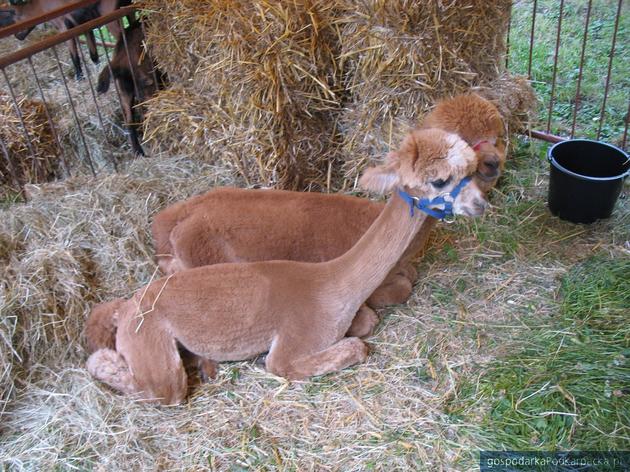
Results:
402 55
298 93
75 243
256 86
24 165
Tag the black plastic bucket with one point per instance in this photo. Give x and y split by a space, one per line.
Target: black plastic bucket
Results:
585 179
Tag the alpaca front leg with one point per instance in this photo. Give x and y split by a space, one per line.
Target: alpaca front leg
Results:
363 323
342 354
394 290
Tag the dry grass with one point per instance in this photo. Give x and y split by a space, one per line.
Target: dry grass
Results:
258 81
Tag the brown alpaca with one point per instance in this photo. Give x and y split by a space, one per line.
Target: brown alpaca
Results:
297 311
239 225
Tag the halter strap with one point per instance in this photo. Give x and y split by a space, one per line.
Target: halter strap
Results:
427 206
479 143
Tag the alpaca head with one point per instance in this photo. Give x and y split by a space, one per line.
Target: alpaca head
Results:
430 163
478 122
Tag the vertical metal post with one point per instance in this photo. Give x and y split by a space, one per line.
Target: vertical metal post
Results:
53 130
146 51
610 61
74 112
18 112
11 167
555 66
531 41
111 72
507 41
581 69
131 65
625 128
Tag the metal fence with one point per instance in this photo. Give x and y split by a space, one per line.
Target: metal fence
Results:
530 32
92 120
548 45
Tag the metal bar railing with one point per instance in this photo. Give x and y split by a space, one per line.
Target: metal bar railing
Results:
554 87
63 37
77 104
581 67
609 73
51 15
531 39
555 67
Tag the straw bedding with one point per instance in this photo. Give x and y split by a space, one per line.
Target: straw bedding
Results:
86 240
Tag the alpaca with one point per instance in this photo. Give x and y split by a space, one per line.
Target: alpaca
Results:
298 312
240 225
226 225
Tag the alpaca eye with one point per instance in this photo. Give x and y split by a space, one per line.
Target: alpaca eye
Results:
440 183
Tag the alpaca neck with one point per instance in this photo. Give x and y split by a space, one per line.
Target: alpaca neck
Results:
356 274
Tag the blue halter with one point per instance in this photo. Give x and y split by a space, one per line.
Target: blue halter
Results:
446 200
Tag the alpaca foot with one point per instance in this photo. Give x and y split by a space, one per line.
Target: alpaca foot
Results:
207 369
363 323
109 367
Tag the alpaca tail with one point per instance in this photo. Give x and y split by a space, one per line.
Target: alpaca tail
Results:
101 326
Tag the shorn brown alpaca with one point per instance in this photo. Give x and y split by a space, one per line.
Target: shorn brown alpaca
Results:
240 225
299 312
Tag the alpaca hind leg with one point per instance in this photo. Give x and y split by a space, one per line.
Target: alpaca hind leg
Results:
363 323
207 369
154 360
109 367
342 354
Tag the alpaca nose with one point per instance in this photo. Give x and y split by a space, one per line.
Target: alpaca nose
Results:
494 165
490 168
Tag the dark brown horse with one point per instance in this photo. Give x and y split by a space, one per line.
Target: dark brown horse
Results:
136 77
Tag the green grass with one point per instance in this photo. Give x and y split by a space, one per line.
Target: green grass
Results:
566 386
598 46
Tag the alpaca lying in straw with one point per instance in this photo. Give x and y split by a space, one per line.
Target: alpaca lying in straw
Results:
238 225
297 311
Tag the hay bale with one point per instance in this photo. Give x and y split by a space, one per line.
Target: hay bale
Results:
39 166
281 90
75 243
515 99
260 84
402 56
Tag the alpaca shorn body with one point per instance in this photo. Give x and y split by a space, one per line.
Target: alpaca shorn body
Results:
298 312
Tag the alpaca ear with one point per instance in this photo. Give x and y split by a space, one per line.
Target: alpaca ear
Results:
381 179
